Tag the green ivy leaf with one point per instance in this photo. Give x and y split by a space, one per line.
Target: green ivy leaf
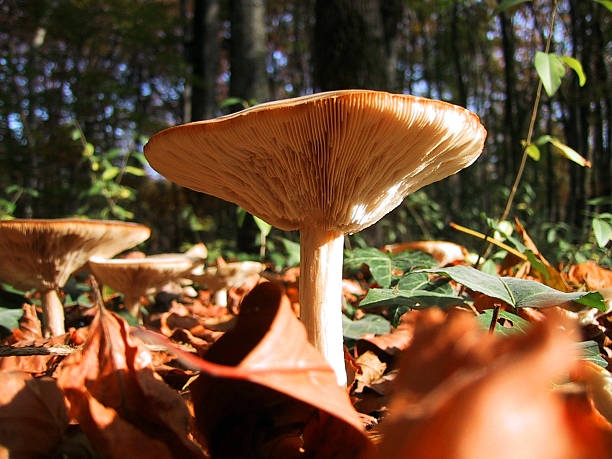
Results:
602 230
551 69
9 318
518 293
519 325
378 262
384 266
576 66
370 323
589 350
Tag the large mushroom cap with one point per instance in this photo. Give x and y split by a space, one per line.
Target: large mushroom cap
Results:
42 254
308 161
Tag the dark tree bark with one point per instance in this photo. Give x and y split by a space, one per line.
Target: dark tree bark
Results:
354 44
248 79
205 58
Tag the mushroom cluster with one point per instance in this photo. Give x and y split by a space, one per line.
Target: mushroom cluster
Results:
326 164
43 254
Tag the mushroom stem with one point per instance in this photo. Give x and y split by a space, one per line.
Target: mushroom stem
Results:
53 314
321 294
132 306
220 297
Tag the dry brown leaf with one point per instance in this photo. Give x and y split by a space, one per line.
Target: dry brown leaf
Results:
370 370
264 391
484 396
29 324
33 416
590 274
120 403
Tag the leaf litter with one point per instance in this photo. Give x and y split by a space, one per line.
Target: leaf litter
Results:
243 381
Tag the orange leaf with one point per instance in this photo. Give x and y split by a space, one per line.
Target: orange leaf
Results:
484 396
33 415
265 390
120 403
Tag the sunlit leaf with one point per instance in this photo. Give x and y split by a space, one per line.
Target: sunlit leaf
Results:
564 150
88 150
570 153
134 171
576 66
110 173
606 3
603 231
263 226
551 69
533 151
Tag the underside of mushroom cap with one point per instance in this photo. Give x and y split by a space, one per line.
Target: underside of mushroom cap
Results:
42 254
338 160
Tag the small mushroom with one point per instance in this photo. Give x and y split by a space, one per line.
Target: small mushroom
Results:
137 277
43 254
226 275
326 164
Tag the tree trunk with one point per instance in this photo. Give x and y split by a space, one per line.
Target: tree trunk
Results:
354 44
249 80
204 59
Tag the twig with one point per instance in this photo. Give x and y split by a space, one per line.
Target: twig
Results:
58 349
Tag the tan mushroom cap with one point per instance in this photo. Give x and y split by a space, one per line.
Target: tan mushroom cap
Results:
308 161
42 254
141 276
229 275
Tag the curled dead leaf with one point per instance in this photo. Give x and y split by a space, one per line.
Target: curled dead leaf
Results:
264 391
120 403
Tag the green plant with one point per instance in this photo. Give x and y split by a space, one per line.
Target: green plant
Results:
107 196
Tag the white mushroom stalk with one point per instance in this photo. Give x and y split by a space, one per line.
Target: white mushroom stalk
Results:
328 164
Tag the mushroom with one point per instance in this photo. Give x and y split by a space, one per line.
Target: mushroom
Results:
137 277
226 275
42 255
326 164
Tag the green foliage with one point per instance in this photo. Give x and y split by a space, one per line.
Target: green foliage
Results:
517 293
13 193
386 268
9 318
370 323
551 69
107 197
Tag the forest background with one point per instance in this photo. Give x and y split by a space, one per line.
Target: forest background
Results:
84 83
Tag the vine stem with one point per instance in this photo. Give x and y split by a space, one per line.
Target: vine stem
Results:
534 114
519 174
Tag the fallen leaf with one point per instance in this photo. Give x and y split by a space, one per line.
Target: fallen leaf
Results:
590 274
120 403
390 344
29 324
33 415
370 370
264 391
484 396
